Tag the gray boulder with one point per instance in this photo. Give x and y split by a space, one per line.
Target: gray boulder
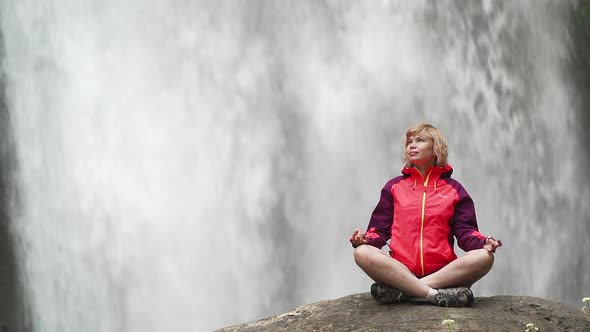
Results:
358 312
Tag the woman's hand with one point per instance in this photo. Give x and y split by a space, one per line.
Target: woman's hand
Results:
358 238
491 244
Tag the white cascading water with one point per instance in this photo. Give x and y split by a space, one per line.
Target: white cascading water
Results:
183 166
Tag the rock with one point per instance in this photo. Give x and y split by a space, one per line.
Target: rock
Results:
359 312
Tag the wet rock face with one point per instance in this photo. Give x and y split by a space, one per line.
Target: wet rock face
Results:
359 312
10 304
579 67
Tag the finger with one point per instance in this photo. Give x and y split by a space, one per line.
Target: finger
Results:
360 234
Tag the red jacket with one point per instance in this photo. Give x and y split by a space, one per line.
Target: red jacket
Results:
421 215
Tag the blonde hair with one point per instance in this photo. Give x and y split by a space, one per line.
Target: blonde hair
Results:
439 142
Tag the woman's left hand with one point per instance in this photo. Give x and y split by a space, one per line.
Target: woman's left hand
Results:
491 244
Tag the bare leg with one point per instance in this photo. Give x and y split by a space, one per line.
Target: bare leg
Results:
462 272
382 268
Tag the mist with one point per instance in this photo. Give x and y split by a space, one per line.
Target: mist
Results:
194 165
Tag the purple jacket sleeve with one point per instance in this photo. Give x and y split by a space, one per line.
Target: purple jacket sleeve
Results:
379 229
464 222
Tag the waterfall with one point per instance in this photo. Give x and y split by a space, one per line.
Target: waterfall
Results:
182 166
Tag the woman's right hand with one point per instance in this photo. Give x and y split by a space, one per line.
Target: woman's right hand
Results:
358 238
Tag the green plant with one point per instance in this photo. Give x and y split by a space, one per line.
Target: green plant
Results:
583 9
449 323
530 327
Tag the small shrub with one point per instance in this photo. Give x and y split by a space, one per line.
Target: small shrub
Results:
449 323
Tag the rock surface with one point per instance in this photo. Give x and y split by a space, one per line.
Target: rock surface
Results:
359 312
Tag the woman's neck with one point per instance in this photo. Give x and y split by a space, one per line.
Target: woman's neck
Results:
423 168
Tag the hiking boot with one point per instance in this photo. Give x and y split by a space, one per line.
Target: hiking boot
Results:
454 297
383 293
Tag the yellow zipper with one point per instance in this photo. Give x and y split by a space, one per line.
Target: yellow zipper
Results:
422 223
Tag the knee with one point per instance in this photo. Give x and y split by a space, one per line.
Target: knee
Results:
484 258
362 254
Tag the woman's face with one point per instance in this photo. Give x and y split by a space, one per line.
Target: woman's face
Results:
419 150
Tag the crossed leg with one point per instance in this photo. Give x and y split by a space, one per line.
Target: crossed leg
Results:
462 272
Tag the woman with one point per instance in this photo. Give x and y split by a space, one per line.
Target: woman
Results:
421 211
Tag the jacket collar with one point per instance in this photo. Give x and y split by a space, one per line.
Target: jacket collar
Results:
437 171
